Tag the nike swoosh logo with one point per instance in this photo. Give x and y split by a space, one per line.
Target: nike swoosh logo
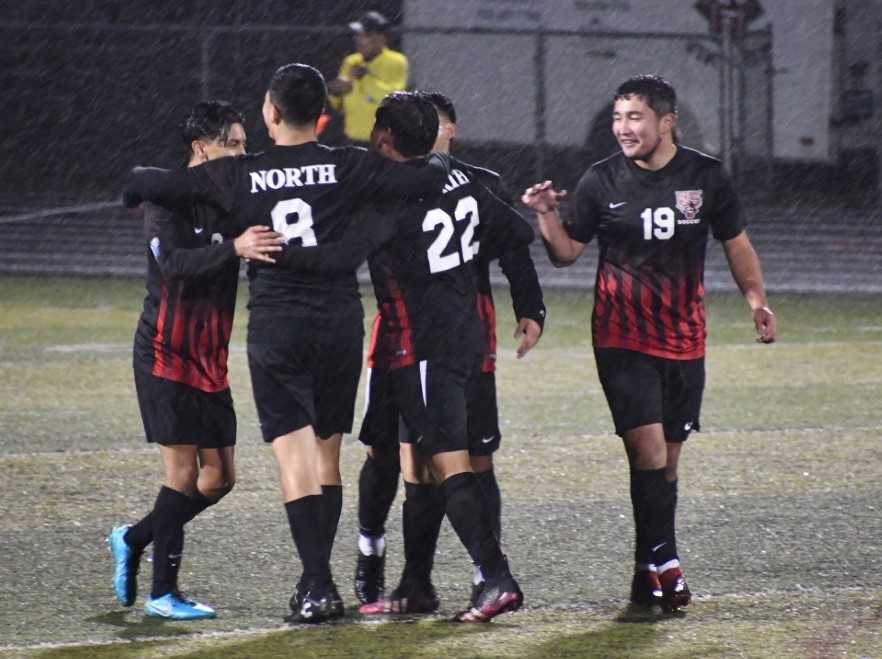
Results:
487 440
657 547
199 229
618 205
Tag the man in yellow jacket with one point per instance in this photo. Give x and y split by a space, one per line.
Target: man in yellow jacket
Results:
366 77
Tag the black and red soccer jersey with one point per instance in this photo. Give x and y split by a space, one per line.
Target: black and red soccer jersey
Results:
652 229
184 330
423 258
305 192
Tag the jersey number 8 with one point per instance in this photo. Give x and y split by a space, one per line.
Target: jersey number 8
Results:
301 228
466 209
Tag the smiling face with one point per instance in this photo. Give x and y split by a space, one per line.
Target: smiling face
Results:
639 130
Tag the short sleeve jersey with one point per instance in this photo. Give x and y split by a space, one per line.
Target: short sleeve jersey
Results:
652 229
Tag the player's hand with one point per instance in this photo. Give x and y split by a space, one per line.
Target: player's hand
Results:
257 243
339 87
766 325
529 331
358 72
542 197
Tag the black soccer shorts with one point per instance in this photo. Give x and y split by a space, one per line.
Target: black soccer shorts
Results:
482 414
431 396
305 373
174 413
642 389
382 425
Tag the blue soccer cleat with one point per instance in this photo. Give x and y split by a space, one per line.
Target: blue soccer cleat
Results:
126 562
174 606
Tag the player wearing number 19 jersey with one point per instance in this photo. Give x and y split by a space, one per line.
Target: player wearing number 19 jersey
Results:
305 331
651 207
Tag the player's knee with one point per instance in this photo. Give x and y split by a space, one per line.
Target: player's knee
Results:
386 457
481 463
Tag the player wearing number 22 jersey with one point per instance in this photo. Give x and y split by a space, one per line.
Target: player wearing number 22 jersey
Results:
423 257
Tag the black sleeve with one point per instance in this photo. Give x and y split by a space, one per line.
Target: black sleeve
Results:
211 183
526 293
390 180
366 233
505 229
176 262
726 214
586 209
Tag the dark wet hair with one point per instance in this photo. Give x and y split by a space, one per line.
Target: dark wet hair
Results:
443 104
299 92
210 120
658 93
412 120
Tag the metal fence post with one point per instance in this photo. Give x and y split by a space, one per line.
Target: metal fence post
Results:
539 76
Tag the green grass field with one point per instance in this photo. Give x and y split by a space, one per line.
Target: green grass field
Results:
780 520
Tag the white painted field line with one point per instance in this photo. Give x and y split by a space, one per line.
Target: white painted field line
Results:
259 631
60 210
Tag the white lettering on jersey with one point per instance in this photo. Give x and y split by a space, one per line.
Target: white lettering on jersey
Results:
292 177
455 179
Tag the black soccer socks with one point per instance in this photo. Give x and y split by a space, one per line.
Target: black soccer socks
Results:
141 534
377 485
492 500
422 512
304 518
332 506
465 510
169 516
652 499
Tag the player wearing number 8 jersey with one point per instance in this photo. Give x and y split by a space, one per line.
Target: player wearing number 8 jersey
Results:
423 256
651 207
305 331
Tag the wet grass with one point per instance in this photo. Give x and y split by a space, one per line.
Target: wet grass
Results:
779 519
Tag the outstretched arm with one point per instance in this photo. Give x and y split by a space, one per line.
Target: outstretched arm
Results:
545 200
745 267
365 234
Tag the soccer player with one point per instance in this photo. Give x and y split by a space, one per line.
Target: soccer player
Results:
651 207
180 363
423 263
378 481
305 330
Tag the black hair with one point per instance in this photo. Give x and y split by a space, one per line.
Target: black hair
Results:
412 120
210 120
299 92
443 104
658 93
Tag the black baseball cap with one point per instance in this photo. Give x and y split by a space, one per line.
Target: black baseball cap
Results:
373 21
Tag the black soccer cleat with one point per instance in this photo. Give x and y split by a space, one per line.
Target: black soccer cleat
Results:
646 589
370 578
407 598
495 599
315 601
675 591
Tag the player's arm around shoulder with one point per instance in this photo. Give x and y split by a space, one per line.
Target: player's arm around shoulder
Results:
745 266
545 200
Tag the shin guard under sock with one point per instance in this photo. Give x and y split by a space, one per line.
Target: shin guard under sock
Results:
304 518
332 506
492 500
169 515
654 514
141 534
422 513
465 510
377 485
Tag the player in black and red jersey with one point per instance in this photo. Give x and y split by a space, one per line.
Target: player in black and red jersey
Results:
423 268
305 331
651 207
180 362
423 508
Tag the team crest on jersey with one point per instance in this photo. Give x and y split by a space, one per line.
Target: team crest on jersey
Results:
688 203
